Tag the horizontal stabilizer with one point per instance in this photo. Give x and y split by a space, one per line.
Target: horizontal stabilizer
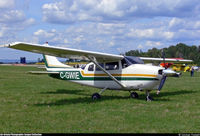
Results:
41 72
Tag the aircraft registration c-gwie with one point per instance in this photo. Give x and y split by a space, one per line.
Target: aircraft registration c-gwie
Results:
105 71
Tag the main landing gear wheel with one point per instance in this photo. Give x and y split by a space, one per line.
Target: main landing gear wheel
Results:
96 96
149 98
134 95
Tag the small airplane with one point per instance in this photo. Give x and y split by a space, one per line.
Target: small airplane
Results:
196 68
105 71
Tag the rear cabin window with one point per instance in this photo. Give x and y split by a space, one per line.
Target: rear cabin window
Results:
112 66
91 67
83 66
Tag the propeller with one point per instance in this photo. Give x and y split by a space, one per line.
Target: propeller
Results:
163 56
162 82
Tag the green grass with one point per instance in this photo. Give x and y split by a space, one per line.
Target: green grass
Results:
40 104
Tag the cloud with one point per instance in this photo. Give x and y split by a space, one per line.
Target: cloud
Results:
103 25
56 13
7 4
43 33
141 33
117 37
12 21
12 16
87 36
51 36
153 44
140 46
150 34
188 24
70 11
9 13
79 39
112 24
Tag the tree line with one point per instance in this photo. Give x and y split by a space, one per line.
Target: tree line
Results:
181 50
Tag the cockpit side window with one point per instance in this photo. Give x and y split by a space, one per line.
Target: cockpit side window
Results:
91 67
101 64
112 66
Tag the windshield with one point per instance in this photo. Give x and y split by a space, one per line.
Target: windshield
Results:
134 60
129 60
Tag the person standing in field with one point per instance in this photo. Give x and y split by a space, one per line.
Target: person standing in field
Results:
192 71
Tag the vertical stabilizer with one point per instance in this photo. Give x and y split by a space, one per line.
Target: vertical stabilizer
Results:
53 62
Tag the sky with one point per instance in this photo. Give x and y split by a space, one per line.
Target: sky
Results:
110 26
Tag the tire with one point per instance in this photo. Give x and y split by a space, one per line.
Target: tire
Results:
96 96
134 95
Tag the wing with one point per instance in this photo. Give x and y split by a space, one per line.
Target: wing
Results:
64 52
177 60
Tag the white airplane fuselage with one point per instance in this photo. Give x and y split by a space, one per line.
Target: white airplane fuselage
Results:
134 77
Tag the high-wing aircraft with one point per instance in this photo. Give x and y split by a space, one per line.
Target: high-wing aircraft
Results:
105 71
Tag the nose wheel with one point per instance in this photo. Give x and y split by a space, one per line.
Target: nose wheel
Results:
148 98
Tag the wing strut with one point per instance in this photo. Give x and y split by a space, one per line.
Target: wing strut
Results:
93 59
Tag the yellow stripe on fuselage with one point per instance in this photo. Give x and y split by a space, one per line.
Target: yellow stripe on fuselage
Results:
122 75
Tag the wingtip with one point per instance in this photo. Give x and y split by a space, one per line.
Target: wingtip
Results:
5 45
9 45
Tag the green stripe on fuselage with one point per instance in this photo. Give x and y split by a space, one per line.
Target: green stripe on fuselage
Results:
76 75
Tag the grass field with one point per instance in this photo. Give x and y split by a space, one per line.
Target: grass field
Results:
40 104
